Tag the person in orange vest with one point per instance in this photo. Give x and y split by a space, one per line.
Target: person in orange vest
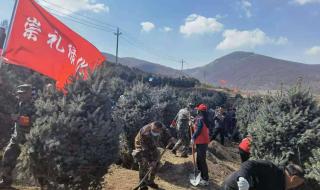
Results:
244 148
201 139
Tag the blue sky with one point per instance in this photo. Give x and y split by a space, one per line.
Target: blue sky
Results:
198 31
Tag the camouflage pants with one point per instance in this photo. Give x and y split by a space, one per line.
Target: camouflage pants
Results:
183 139
143 170
12 151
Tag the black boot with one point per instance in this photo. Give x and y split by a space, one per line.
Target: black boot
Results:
153 185
143 188
184 154
5 182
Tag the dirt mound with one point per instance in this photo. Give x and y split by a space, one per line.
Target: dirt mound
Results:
174 173
228 152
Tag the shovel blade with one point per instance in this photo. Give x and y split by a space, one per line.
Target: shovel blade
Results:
195 179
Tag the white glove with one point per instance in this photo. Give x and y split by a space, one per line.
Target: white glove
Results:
192 142
243 184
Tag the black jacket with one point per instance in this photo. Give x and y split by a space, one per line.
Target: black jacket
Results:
218 122
261 175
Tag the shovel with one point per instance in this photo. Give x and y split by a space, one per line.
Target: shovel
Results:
150 170
194 178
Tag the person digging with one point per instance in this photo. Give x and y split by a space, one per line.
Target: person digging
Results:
264 175
147 155
182 126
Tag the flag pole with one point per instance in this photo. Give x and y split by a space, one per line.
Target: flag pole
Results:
9 32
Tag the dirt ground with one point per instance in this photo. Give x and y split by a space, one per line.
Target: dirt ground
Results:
174 173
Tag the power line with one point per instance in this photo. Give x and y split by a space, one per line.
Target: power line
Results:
134 45
113 27
149 51
168 57
79 21
92 22
181 73
139 44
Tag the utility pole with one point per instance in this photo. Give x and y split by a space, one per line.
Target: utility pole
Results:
204 76
117 50
182 63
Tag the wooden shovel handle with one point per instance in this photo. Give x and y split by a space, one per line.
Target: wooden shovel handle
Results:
193 148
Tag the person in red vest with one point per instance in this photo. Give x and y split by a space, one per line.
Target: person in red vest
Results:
201 139
244 148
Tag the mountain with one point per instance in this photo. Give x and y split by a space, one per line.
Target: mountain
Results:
244 70
144 65
251 71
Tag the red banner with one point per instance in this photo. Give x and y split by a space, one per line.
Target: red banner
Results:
42 43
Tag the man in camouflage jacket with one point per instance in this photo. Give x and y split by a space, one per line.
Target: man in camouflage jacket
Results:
147 154
182 125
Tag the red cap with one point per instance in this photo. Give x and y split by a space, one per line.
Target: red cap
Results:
202 107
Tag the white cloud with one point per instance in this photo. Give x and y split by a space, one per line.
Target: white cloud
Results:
236 39
71 6
147 26
219 16
197 24
280 41
313 51
303 2
246 7
167 29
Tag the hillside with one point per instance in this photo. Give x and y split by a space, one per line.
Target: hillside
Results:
145 66
252 71
244 70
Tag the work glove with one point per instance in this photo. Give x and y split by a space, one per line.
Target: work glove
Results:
243 184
